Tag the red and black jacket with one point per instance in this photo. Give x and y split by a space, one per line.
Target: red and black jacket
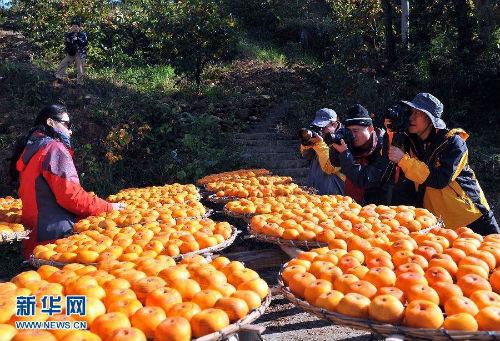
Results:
50 191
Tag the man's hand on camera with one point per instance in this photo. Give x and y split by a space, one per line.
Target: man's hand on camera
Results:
342 147
395 154
315 140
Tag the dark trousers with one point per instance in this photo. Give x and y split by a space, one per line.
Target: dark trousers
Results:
485 225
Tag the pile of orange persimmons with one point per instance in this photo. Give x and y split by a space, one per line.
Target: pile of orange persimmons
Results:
335 216
246 184
165 220
233 175
411 279
10 216
169 302
255 205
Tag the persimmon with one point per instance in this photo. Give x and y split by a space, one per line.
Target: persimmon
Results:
397 293
488 318
147 319
251 298
472 282
106 324
186 310
386 309
128 334
314 289
446 291
457 304
354 305
461 321
173 329
422 292
485 298
380 277
235 308
127 306
33 335
209 321
423 314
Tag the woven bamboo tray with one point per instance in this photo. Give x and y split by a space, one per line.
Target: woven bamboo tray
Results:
245 217
213 198
13 236
381 328
36 262
234 328
300 244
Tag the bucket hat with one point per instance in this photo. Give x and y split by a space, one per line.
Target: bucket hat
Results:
431 106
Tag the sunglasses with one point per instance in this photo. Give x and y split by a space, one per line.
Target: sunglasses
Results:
67 124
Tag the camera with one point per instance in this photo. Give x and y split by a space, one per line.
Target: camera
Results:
306 134
341 134
399 115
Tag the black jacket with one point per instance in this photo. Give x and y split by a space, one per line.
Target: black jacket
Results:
76 42
372 179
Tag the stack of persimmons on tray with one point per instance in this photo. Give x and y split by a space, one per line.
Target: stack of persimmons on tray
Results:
391 265
168 302
10 220
334 219
246 184
442 279
165 220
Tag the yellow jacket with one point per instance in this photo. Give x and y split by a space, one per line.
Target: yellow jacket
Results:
323 152
441 171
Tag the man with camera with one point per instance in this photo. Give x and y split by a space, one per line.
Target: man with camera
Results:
322 176
437 162
363 156
75 42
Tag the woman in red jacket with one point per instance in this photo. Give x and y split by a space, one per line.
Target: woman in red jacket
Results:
49 186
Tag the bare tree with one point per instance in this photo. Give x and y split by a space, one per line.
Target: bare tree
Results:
405 23
463 25
390 42
485 15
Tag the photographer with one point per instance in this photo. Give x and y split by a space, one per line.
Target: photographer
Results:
75 43
370 178
437 163
323 176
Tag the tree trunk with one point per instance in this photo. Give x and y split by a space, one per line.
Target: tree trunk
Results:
390 43
405 23
463 25
484 10
422 13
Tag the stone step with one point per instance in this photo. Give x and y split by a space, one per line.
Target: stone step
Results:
263 129
263 136
293 172
276 149
272 156
282 164
269 143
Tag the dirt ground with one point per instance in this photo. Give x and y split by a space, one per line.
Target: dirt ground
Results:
284 321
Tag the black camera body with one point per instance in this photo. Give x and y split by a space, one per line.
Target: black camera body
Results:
341 134
306 134
399 115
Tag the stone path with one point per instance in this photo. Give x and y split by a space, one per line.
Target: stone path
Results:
266 146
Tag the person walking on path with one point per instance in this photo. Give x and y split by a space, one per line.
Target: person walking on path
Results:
75 42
